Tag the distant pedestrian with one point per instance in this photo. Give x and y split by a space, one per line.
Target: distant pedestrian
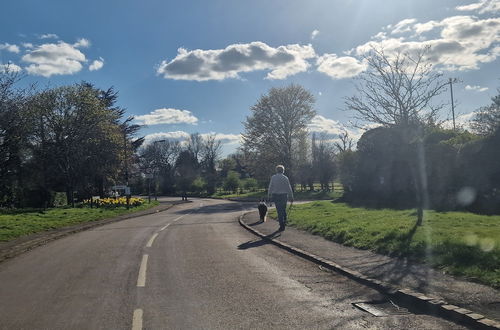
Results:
279 191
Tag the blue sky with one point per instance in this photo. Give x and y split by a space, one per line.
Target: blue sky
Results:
198 66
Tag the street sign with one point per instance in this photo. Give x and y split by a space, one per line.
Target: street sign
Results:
120 187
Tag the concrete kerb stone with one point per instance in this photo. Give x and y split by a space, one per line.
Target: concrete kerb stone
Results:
405 296
24 244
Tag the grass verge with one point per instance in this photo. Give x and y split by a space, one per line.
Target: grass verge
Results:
298 195
460 243
20 222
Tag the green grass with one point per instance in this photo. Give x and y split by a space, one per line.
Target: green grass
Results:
298 195
20 222
461 243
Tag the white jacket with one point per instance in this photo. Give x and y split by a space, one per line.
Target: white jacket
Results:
279 184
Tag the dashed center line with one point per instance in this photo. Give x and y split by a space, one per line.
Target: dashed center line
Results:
151 240
137 320
141 280
165 227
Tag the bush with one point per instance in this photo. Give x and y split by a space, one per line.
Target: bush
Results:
231 182
250 184
60 199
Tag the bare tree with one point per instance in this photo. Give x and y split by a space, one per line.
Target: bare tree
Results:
345 143
278 119
397 89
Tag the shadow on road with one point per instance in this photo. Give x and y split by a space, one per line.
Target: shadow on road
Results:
210 209
256 243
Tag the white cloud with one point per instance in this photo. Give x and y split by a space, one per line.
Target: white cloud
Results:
319 93
461 121
54 59
167 116
97 64
10 48
183 136
28 45
340 67
462 43
225 138
9 67
476 88
220 64
314 34
333 128
82 42
403 26
49 36
176 135
482 6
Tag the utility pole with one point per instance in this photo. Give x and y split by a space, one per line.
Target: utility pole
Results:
452 102
127 193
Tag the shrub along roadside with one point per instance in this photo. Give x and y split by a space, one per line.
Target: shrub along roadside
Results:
21 222
458 242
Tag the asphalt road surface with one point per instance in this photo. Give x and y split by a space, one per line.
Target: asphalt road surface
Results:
190 267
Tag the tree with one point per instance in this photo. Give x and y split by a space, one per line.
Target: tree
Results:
345 142
278 119
231 182
80 139
398 90
159 157
323 162
487 119
210 153
15 124
186 171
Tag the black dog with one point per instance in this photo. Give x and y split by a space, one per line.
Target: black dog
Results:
262 211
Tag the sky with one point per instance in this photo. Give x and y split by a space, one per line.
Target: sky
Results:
198 66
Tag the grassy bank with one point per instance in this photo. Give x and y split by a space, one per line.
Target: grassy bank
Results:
20 222
461 243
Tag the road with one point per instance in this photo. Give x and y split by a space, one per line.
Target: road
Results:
190 267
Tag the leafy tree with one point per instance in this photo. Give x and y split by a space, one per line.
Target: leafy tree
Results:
250 184
323 162
231 182
487 119
15 124
159 157
210 153
80 139
278 119
186 171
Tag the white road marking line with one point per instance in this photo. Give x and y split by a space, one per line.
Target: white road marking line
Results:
137 320
141 280
151 240
165 227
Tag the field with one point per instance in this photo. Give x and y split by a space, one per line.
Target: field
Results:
458 242
20 222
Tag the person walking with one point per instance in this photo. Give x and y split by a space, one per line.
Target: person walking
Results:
279 191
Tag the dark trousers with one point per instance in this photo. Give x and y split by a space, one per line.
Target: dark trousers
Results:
280 201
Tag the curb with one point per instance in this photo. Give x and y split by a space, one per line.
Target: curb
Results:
407 297
24 244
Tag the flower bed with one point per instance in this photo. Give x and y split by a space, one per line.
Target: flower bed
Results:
114 202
